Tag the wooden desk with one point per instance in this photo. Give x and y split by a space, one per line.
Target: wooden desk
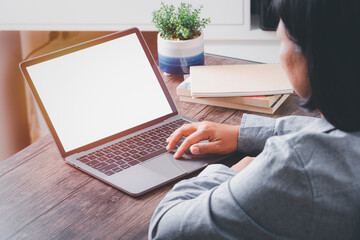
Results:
42 197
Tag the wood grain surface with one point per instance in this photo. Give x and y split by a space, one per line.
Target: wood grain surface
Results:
42 197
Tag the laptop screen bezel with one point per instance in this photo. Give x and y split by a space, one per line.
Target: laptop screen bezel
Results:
23 67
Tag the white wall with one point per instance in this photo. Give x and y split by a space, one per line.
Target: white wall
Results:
92 14
230 32
253 50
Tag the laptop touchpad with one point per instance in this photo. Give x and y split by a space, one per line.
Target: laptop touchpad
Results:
164 165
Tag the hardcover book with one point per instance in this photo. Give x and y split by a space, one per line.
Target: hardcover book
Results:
238 80
225 104
184 89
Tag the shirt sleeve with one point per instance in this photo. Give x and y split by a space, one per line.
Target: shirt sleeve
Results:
170 216
269 199
255 130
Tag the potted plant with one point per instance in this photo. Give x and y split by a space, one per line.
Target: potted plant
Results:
180 38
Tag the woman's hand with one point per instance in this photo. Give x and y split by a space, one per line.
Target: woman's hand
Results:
243 163
222 138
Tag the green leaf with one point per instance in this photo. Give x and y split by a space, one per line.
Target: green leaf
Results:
182 23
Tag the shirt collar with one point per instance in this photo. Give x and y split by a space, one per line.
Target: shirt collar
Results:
322 125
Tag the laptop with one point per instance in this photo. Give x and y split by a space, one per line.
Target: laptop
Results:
110 112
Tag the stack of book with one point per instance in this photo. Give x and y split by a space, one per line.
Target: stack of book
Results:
258 88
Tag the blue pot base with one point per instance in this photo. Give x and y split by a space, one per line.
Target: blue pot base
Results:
179 66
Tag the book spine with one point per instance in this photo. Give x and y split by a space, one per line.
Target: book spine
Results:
228 105
269 110
265 102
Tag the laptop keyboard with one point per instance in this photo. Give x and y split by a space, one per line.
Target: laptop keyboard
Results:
129 152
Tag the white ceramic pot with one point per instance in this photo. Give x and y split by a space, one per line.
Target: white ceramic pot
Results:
176 56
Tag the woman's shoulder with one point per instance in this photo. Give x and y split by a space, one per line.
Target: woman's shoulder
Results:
324 138
318 143
330 158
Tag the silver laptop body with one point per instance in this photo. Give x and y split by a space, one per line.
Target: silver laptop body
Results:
97 97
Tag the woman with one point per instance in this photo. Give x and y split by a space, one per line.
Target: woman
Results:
305 180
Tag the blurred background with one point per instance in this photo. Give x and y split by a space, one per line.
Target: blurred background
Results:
239 29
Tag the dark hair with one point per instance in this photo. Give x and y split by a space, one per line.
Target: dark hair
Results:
328 34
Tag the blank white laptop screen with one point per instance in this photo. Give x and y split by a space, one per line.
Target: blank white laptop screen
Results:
99 91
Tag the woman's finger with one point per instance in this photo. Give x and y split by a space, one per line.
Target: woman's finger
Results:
190 140
184 130
203 148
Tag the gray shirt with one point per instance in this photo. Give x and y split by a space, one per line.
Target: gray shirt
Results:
303 184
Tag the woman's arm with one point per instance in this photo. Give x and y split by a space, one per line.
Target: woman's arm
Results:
269 199
249 137
255 130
